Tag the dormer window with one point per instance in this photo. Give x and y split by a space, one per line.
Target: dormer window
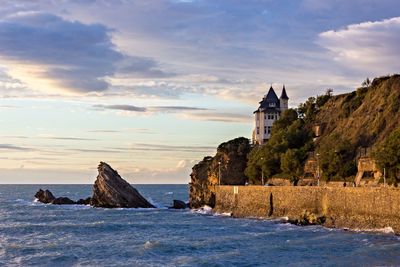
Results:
272 104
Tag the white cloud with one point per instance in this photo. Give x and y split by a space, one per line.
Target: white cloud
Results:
370 47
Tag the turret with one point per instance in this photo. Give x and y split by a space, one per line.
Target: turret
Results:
284 100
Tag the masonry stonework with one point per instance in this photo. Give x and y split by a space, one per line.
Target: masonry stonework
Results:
342 207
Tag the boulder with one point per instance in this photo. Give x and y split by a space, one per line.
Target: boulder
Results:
44 196
63 201
308 218
179 204
85 201
111 191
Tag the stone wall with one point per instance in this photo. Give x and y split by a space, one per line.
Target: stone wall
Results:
342 207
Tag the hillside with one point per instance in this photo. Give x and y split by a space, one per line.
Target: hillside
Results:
365 116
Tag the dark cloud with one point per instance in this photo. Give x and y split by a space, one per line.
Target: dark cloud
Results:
76 55
14 147
121 107
149 109
142 67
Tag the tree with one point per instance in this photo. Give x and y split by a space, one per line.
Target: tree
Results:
366 83
336 158
284 152
292 163
388 155
308 110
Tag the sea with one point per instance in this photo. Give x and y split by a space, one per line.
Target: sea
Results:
36 234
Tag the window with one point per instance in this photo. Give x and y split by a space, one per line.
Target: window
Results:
272 104
258 130
265 116
265 129
269 129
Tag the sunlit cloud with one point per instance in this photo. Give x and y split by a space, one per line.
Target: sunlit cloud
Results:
368 46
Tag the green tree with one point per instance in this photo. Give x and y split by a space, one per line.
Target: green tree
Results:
336 158
284 152
292 163
387 155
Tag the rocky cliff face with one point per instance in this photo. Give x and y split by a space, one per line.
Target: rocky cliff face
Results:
366 116
111 191
226 167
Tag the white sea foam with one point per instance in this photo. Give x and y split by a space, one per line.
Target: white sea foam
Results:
156 204
385 230
203 210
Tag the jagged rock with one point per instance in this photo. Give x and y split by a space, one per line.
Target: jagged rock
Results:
45 196
178 204
85 201
111 191
63 201
226 167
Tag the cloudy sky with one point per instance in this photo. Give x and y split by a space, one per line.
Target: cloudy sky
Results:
153 86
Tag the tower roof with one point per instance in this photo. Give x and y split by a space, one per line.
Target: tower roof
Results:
284 95
270 101
271 96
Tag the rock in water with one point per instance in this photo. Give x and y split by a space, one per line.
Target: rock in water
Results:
45 196
63 201
179 204
85 201
111 191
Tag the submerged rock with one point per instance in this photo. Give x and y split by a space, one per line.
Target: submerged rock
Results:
44 196
179 204
308 218
63 201
111 191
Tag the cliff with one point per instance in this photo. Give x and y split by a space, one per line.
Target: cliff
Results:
365 116
226 167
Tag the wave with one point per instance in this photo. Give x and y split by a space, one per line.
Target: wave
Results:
206 210
384 230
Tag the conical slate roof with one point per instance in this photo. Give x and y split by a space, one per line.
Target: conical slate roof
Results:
271 97
270 101
284 95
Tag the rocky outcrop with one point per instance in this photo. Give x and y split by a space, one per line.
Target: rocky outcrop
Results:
63 201
44 196
225 168
111 191
85 201
48 198
308 218
179 204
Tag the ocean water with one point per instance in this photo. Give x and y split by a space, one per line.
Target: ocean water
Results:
35 234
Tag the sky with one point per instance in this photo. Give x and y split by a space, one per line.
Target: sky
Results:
151 87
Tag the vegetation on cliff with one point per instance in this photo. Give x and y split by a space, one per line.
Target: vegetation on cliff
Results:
367 117
387 156
286 151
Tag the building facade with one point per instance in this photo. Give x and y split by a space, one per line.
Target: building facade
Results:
269 111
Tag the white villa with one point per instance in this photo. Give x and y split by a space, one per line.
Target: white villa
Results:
269 111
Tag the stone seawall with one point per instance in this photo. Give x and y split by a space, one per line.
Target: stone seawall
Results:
345 207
